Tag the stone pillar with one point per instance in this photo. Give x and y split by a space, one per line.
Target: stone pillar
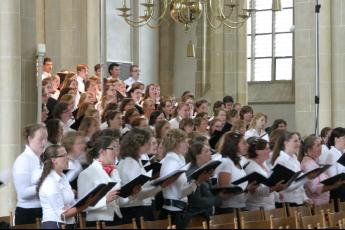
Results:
93 34
305 66
10 94
338 60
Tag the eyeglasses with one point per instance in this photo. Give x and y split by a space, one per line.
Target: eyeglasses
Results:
111 148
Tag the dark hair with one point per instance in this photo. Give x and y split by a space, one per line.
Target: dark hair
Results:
201 115
194 150
255 144
279 145
276 123
245 109
136 122
231 114
158 128
274 136
217 105
114 134
110 115
186 122
63 92
97 67
336 133
199 120
110 106
228 99
99 143
47 59
50 153
132 141
125 102
200 102
30 130
324 133
111 67
132 67
53 126
153 117
228 146
60 108
132 89
129 113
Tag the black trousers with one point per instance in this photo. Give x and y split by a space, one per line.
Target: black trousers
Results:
27 215
56 225
136 212
175 215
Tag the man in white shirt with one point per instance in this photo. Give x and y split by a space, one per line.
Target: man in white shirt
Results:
82 72
47 67
135 72
114 71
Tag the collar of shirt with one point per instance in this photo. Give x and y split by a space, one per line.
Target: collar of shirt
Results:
287 156
30 152
177 157
56 176
335 150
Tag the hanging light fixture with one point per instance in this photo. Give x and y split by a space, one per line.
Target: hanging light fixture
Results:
276 5
219 13
190 50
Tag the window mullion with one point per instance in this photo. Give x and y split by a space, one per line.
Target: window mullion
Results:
253 31
273 66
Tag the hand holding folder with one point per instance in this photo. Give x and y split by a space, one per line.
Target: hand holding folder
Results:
133 186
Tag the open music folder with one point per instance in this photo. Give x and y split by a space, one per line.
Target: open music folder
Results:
209 166
127 189
100 191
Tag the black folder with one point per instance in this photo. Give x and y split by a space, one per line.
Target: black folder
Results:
341 160
100 190
155 167
334 179
161 180
229 190
280 174
319 171
127 189
1 183
209 166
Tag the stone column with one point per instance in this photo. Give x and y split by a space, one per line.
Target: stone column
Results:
305 66
338 60
10 94
93 34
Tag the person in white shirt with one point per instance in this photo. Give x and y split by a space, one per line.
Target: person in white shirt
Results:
175 196
75 145
336 143
28 205
233 146
263 197
63 112
47 67
82 72
134 144
257 127
55 193
102 156
285 153
182 111
325 134
135 72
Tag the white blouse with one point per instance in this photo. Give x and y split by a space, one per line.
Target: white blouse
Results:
236 201
56 196
23 171
324 155
262 196
253 133
295 193
129 169
181 188
74 169
333 157
88 180
175 122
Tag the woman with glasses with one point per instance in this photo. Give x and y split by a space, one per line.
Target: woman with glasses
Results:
63 112
102 156
55 193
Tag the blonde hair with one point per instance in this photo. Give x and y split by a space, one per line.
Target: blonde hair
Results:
256 117
172 138
67 98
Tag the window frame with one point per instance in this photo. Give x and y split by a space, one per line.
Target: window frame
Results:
273 56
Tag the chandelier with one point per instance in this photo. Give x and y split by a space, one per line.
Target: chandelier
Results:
227 13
